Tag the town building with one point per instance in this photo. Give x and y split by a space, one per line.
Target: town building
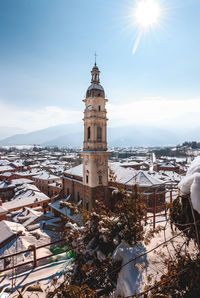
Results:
43 180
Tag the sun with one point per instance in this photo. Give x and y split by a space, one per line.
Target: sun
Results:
146 13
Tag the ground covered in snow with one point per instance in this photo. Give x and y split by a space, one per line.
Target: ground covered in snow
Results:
143 270
45 275
37 237
152 264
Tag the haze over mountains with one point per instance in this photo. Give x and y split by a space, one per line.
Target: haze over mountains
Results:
6 132
71 135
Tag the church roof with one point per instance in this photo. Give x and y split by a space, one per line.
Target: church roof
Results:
95 67
130 176
126 176
95 86
76 171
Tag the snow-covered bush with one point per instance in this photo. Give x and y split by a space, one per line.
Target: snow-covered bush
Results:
190 184
104 230
182 278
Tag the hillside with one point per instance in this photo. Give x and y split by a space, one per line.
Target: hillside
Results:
72 135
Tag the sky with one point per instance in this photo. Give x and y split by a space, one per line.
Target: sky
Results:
47 52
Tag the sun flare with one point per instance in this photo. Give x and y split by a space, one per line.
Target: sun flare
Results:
146 13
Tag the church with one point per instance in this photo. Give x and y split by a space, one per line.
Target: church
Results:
90 179
94 177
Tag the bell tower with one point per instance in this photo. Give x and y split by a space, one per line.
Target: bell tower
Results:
95 155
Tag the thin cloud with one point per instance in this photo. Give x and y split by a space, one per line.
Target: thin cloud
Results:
149 110
156 111
31 120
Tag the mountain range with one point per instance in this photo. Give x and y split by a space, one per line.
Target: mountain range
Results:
71 135
6 132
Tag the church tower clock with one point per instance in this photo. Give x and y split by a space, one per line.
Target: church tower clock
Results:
95 155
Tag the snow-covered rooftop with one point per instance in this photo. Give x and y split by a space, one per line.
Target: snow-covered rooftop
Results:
128 176
8 229
46 176
21 181
6 168
3 210
3 184
76 171
26 198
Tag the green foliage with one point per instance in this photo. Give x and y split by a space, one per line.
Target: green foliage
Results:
193 145
167 151
58 250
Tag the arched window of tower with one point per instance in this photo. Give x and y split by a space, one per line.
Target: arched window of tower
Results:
100 179
88 133
99 133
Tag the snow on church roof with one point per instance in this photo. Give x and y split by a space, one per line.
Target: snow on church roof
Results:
76 171
95 86
128 176
144 179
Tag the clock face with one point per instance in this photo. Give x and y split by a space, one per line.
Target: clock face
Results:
99 162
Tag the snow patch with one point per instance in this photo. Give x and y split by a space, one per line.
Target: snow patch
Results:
130 278
190 184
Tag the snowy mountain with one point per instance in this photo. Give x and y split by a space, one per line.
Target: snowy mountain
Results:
6 132
72 135
42 137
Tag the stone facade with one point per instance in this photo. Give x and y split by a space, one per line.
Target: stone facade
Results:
7 193
95 155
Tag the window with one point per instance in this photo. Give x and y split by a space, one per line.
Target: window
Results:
99 107
78 197
87 178
100 179
67 191
99 133
88 132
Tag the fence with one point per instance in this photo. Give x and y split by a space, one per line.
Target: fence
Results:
158 208
35 260
34 249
